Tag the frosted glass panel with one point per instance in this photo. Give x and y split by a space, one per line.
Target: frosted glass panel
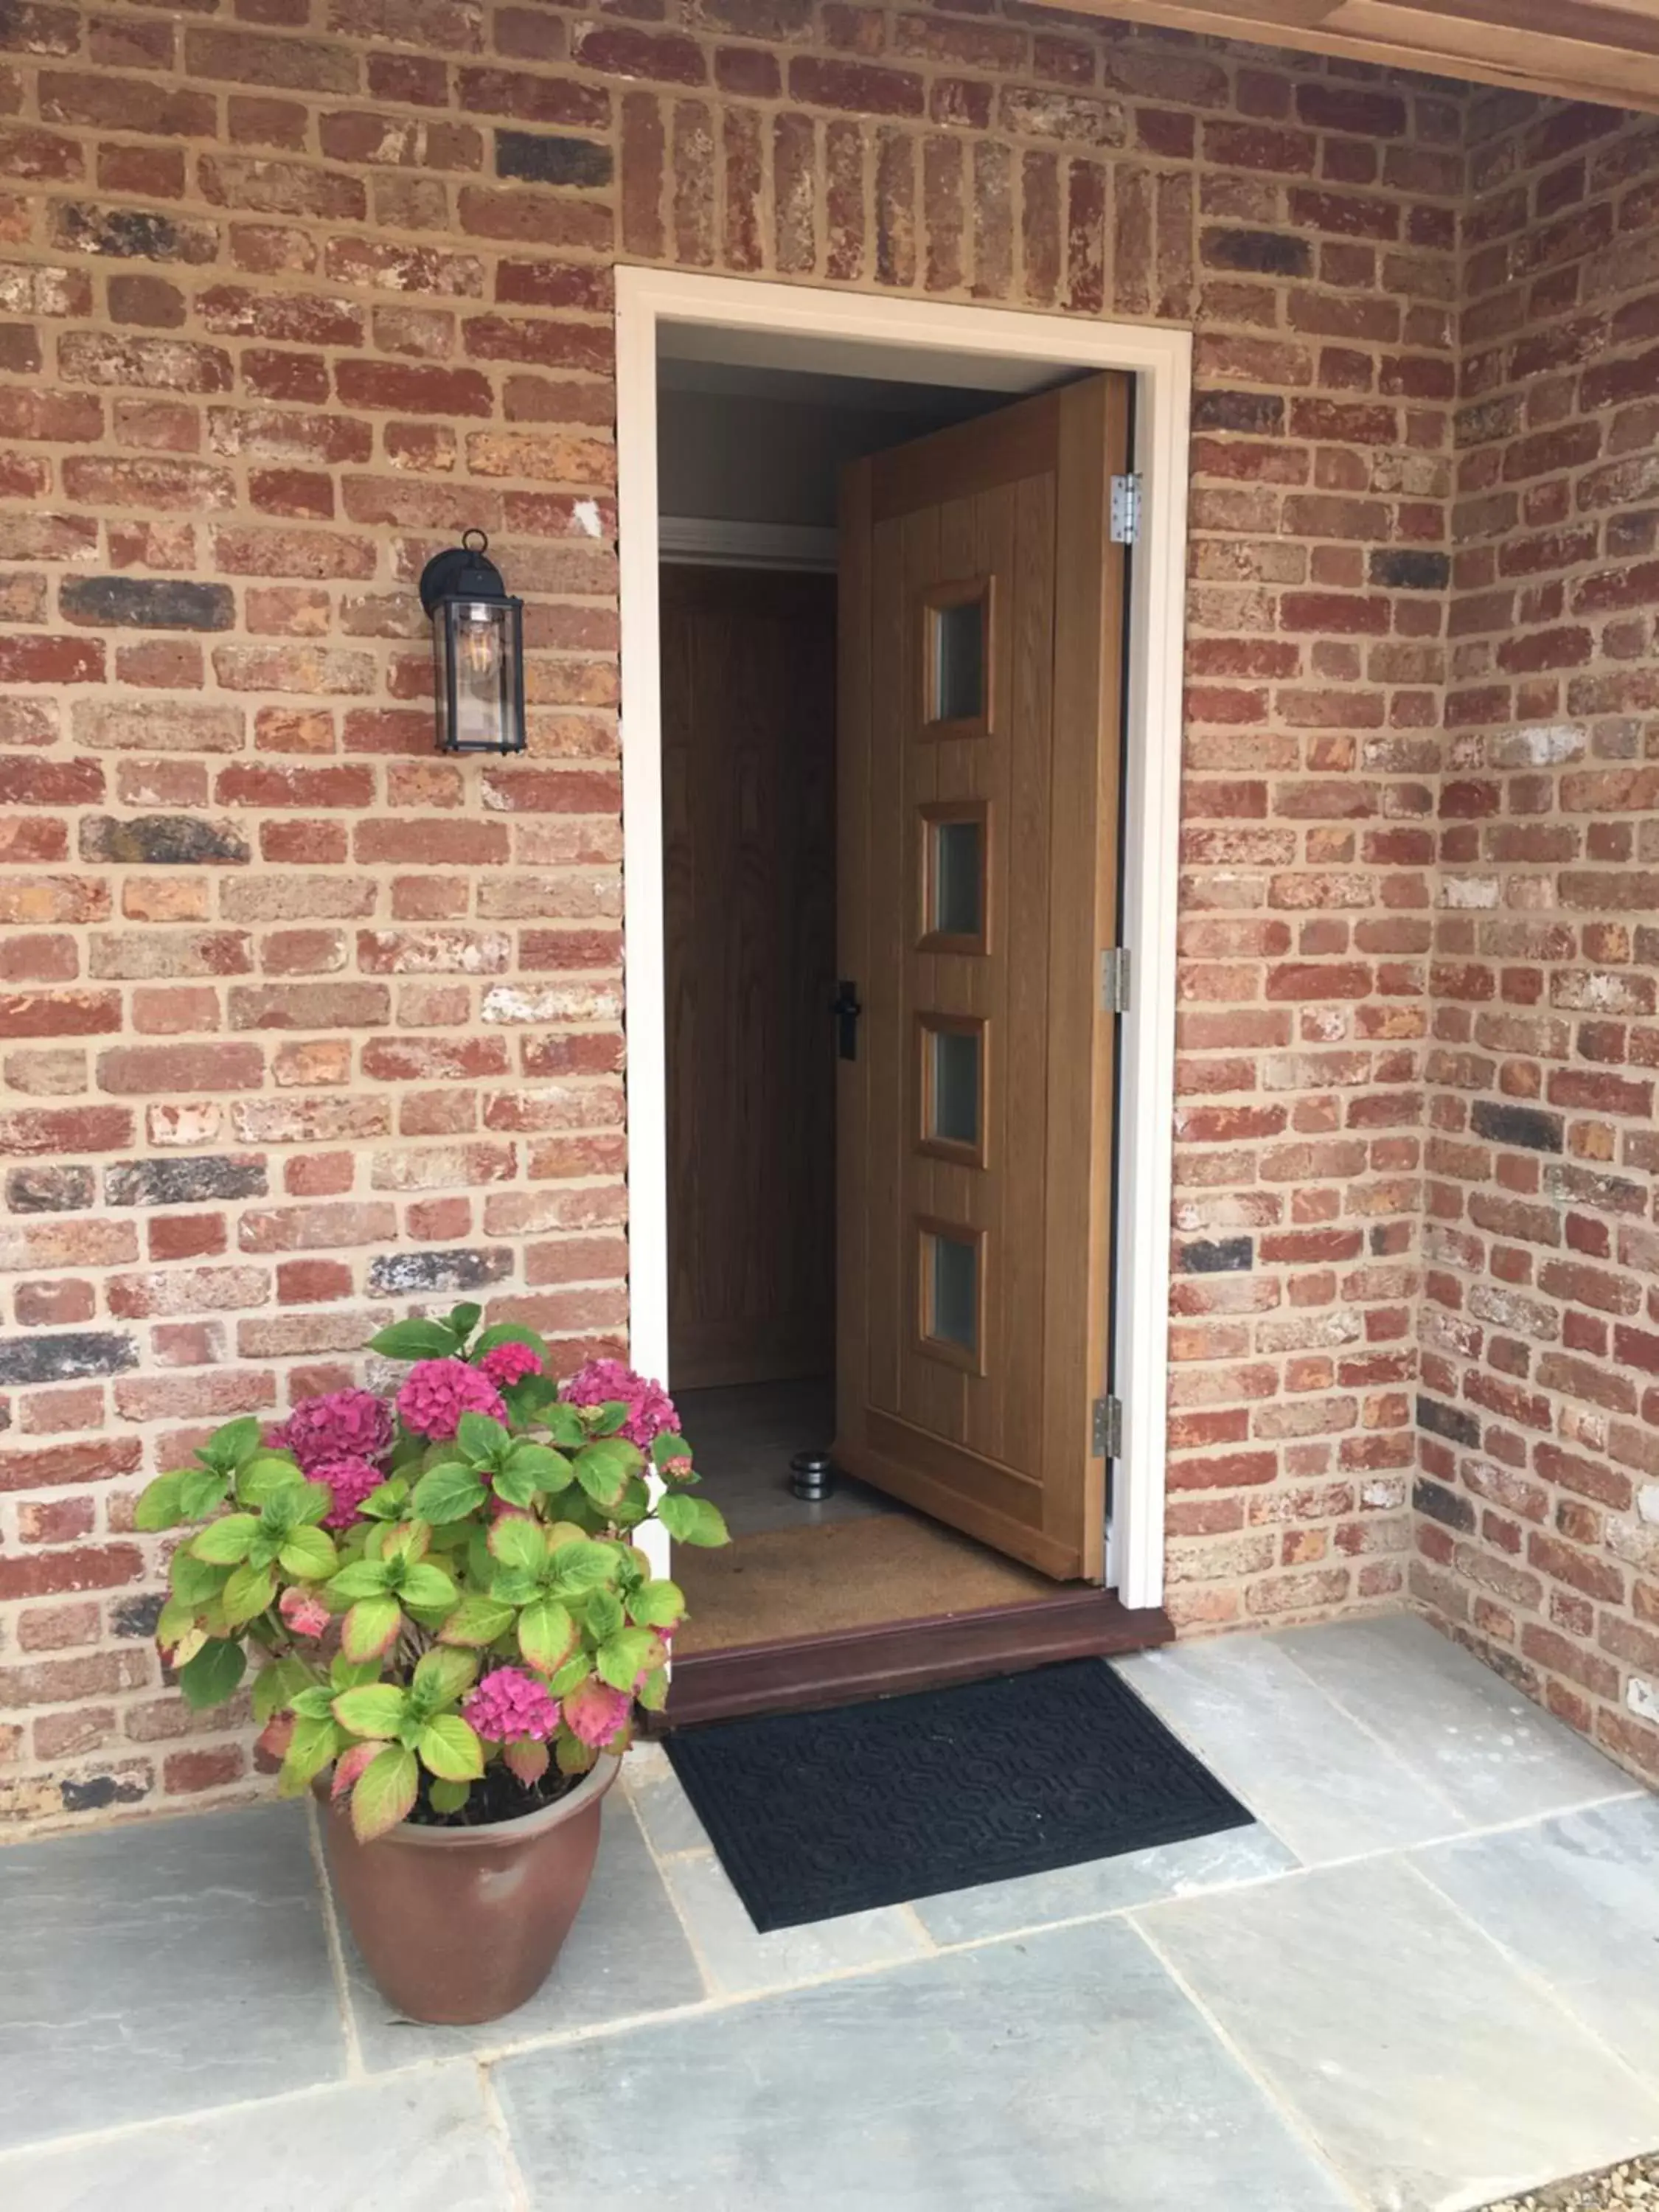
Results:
958 879
959 661
953 1290
954 1085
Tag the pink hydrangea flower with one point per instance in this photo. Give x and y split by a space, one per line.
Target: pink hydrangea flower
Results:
601 1381
350 1480
508 1704
344 1424
305 1614
594 1712
506 1363
677 1468
437 1392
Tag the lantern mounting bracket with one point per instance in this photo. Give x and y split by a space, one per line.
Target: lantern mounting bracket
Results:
461 572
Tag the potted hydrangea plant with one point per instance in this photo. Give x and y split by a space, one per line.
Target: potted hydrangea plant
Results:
442 1597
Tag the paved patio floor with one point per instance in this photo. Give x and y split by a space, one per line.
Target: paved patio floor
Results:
1427 1978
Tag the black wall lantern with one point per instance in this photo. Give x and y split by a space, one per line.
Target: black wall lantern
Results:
478 640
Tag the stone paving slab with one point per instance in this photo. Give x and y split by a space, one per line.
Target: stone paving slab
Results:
1060 2073
162 1966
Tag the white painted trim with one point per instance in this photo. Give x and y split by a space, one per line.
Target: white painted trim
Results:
1162 361
713 543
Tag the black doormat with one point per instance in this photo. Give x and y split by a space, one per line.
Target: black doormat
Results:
815 1814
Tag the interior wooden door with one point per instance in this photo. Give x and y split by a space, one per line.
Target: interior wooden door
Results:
749 734
982 640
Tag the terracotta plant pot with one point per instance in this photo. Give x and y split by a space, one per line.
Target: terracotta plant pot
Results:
458 1925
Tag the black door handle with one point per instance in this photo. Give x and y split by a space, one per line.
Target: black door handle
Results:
846 1009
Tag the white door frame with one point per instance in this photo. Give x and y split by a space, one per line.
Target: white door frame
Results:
1161 360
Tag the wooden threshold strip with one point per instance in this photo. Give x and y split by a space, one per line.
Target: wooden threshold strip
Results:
851 1664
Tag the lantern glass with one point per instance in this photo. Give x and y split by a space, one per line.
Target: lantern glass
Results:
480 681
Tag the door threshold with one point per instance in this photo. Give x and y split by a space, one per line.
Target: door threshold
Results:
848 1665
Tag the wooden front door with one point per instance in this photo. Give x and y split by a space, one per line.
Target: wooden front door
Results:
980 663
749 731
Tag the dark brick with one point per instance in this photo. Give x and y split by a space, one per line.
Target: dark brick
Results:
137 1616
1260 413
437 1271
1517 1125
98 1791
183 1181
50 1190
142 603
1220 1256
1446 1506
161 840
1447 1421
1269 253
62 1359
1408 568
540 159
131 234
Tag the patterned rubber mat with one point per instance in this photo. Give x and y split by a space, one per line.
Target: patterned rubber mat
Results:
817 1814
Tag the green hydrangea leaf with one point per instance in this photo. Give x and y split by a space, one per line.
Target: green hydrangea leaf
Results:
314 1703
232 1442
564 1424
656 1605
546 1632
450 1750
443 1675
602 1614
311 1746
250 1590
481 1437
195 1580
476 1621
175 1620
361 1579
463 1319
449 1796
653 1692
266 1476
309 1555
213 1674
691 1520
517 1543
376 1710
449 1493
515 1486
571 1757
575 1672
158 1504
603 1469
668 1445
386 1503
415 1339
427 1586
582 1565
369 1629
225 1543
385 1792
201 1490
622 1656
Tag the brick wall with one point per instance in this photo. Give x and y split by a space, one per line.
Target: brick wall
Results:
1539 1540
304 1025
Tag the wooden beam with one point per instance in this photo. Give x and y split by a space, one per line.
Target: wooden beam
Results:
1571 49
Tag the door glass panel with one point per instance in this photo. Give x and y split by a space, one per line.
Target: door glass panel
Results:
953 1086
952 1309
959 661
957 876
